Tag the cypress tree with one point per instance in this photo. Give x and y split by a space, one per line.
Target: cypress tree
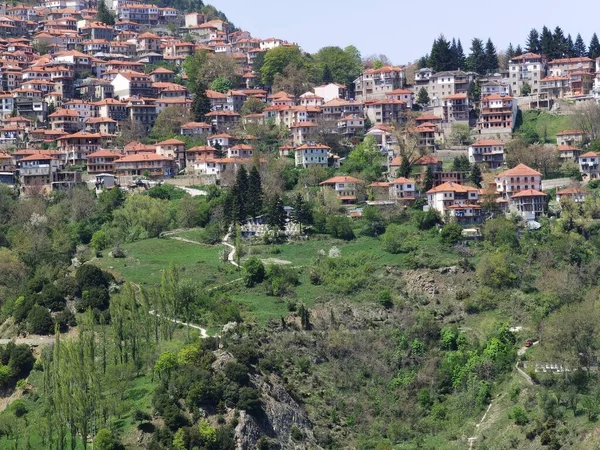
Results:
429 179
201 103
476 177
255 194
405 168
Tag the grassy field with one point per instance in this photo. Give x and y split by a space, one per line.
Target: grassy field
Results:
545 124
146 259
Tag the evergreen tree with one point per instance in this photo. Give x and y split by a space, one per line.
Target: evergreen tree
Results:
476 177
429 179
301 213
491 57
104 15
570 47
405 168
510 52
532 43
579 47
476 61
454 53
547 43
201 104
327 75
461 164
559 44
441 56
423 62
594 47
276 214
460 56
255 194
423 97
518 51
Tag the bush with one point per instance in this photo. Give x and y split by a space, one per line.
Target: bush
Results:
39 321
249 400
425 220
451 233
212 234
89 276
281 280
94 298
99 241
254 272
385 299
51 298
237 372
18 408
398 239
339 227
519 415
64 320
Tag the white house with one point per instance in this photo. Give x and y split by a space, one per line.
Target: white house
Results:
311 155
487 151
330 91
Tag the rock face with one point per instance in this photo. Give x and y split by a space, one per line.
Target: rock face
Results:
281 414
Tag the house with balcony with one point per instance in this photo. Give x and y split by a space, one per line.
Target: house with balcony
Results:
498 114
519 178
488 152
527 69
104 125
350 126
240 151
153 165
374 84
581 83
200 153
300 132
568 153
529 203
402 190
390 112
455 202
312 155
555 87
223 120
172 148
78 145
102 161
67 120
41 173
454 109
195 129
589 165
348 189
443 84
132 84
565 66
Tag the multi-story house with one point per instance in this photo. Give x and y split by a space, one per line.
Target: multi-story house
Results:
527 69
104 125
495 87
455 108
337 108
142 112
347 188
497 114
102 161
350 126
240 151
78 145
98 30
517 179
301 132
195 129
565 66
455 202
446 84
575 194
331 91
554 87
172 148
571 137
487 152
223 120
111 108
37 173
589 165
374 84
385 111
162 74
311 155
67 120
529 203
148 42
568 152
152 165
132 84
141 14
402 189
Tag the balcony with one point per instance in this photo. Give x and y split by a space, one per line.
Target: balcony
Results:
35 171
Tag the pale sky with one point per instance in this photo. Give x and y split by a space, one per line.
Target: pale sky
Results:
404 30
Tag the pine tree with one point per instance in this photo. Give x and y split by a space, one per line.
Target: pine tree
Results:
461 58
423 97
491 57
405 168
476 177
454 53
579 47
594 47
255 194
533 42
510 52
518 51
423 62
201 104
104 15
441 56
476 61
327 76
429 179
547 43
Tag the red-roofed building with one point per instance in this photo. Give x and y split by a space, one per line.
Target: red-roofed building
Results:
530 203
375 84
568 152
240 151
153 165
573 193
489 152
312 155
102 161
589 165
497 114
529 69
195 129
571 137
348 189
455 202
172 148
517 179
402 189
454 108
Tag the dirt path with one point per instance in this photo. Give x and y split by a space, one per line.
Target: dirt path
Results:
474 438
231 256
203 333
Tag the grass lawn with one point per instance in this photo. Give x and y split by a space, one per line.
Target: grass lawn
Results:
546 124
146 259
195 234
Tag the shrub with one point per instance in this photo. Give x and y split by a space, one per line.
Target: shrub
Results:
237 372
249 400
39 321
99 241
281 280
94 298
425 220
254 272
51 298
451 233
397 239
18 408
340 227
90 276
385 299
519 415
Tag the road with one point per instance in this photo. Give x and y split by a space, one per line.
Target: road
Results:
33 341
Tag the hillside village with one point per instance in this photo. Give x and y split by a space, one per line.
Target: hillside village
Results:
81 98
